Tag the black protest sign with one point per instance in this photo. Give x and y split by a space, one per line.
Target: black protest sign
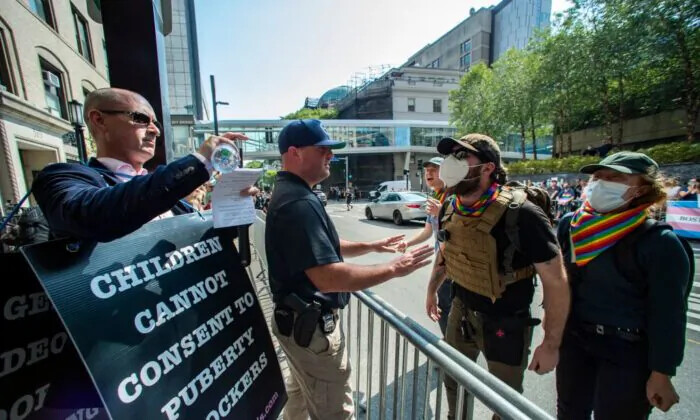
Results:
41 374
166 321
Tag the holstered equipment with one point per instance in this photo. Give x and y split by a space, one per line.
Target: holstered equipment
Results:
470 250
301 318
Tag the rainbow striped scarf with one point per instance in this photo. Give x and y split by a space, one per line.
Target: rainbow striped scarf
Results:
479 207
440 195
592 233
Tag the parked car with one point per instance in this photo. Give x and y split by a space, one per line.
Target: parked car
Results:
321 196
398 207
389 186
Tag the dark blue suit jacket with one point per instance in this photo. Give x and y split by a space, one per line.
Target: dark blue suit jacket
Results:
91 203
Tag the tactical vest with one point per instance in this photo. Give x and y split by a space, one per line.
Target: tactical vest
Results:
470 252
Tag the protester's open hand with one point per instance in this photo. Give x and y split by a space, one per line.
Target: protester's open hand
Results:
431 307
412 260
207 148
401 247
545 359
387 244
660 391
432 206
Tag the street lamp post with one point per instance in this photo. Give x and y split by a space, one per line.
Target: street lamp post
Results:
243 238
215 103
75 111
347 168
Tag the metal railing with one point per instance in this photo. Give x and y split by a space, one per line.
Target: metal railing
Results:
384 387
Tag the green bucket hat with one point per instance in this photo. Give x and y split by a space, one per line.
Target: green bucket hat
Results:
624 162
436 161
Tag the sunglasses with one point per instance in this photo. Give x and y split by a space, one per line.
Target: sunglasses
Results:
136 117
462 153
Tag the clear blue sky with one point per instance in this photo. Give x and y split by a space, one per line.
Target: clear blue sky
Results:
268 55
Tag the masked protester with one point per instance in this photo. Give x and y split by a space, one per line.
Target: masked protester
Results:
625 334
491 270
431 170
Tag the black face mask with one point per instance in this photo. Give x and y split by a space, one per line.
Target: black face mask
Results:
470 183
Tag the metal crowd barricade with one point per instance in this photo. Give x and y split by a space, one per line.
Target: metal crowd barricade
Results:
384 388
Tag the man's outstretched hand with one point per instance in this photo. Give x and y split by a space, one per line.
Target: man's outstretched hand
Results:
412 260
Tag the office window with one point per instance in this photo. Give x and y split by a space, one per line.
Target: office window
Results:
5 75
437 105
465 51
42 8
435 64
82 35
465 61
465 47
411 104
54 92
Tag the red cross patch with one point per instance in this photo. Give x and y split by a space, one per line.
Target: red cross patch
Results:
500 333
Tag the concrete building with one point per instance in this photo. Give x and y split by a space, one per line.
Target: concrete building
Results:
184 80
419 89
51 53
485 35
515 22
407 93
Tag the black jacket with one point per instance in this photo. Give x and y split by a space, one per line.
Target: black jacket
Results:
600 294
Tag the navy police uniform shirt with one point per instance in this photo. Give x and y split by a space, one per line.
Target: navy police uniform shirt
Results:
299 235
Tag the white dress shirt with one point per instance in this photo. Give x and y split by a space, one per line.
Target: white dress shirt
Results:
125 172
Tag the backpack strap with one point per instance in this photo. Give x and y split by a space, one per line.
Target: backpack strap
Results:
445 213
512 230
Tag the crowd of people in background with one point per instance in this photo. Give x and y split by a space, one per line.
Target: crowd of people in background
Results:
566 196
341 193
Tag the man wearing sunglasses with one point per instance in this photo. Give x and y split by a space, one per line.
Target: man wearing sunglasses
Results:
114 195
494 241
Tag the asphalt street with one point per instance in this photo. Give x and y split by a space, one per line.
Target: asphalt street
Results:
407 294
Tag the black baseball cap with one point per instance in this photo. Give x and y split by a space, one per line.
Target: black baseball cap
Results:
624 162
481 145
300 133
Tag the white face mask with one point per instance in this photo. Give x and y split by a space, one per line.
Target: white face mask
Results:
453 170
605 196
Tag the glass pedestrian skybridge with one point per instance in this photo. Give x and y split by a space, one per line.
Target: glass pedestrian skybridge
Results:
360 136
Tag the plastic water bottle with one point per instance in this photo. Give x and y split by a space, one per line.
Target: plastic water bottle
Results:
225 158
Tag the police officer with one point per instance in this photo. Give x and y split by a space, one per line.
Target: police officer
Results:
309 279
495 240
433 205
626 332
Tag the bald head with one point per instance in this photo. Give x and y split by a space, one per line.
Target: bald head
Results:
118 120
109 98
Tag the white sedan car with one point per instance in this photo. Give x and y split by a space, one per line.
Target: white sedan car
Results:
398 206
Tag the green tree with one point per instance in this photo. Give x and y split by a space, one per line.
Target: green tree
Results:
268 178
518 94
671 33
474 107
562 80
254 164
308 113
